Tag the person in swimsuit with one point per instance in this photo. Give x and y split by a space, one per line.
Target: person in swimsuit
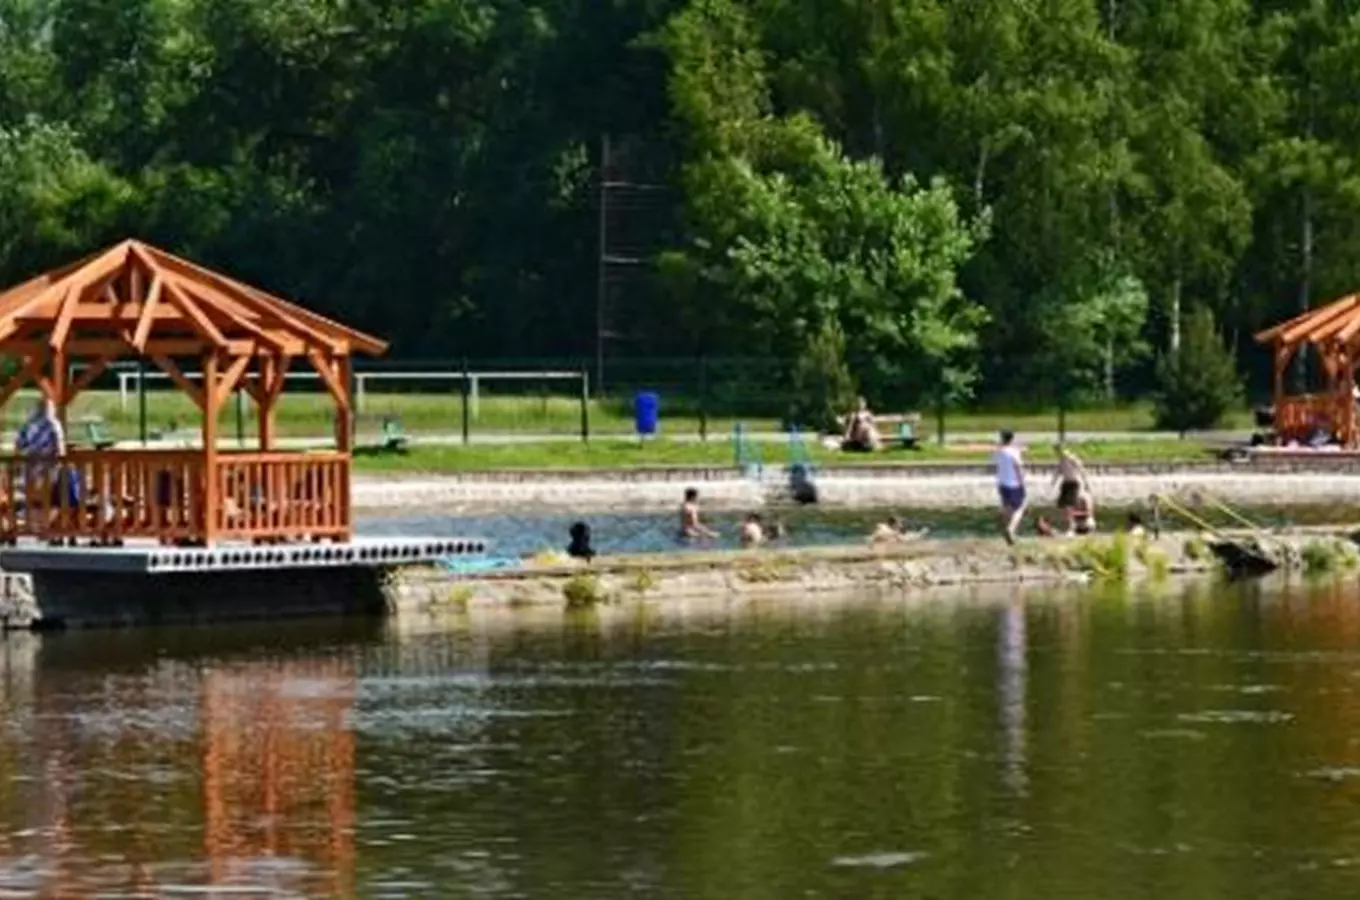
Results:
690 526
894 531
861 434
1071 479
1081 515
752 531
1010 484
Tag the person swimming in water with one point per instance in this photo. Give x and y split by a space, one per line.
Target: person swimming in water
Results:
893 530
691 528
752 532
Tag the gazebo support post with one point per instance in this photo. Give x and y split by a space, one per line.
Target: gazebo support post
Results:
59 386
344 416
264 403
211 498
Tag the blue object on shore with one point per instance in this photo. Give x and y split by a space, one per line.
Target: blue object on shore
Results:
646 412
478 565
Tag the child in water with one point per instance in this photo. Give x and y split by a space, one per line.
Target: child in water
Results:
690 526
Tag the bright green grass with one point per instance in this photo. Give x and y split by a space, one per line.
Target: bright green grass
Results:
607 454
310 414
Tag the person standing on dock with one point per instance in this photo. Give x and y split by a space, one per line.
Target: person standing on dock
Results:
42 442
1010 484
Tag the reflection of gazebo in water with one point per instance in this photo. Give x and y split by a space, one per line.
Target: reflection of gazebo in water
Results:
278 769
1333 331
136 301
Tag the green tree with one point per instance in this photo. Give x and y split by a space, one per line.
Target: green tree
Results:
1198 384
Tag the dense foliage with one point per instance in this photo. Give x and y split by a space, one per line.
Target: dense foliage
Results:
937 197
1196 383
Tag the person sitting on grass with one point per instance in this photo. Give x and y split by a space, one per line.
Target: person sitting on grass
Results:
1081 515
690 526
861 434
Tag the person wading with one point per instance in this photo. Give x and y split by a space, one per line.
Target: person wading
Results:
1071 479
1010 484
691 528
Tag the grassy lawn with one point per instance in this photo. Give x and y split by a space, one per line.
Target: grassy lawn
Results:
310 414
619 454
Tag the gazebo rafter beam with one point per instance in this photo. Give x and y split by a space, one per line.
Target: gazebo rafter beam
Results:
29 371
331 335
201 323
87 377
145 320
229 379
168 366
224 306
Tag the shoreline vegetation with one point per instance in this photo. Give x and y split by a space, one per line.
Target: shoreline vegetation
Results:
1116 559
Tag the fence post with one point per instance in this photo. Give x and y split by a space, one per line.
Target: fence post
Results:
703 399
585 406
141 398
467 421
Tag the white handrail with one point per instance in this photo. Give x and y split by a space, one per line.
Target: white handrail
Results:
361 380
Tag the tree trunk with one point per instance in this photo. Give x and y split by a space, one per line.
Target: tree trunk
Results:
1109 370
1175 344
1305 283
979 177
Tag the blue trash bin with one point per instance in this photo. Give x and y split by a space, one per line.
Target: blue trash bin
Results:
646 412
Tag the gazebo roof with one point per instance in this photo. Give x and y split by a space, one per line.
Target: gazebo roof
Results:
137 299
1338 321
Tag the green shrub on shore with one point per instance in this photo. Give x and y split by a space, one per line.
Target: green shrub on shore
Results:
584 592
1323 556
1106 558
1195 549
1154 560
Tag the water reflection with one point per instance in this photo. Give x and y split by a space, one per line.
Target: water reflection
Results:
1190 745
1011 650
135 767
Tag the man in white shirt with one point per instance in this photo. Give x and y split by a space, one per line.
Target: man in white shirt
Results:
1010 484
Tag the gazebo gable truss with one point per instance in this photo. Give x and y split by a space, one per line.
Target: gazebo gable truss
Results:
136 300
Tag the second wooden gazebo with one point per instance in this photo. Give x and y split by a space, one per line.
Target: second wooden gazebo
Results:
136 301
1333 331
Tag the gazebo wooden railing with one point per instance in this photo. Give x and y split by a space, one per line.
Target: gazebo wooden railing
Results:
135 300
109 496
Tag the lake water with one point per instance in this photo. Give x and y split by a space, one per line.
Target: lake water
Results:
1194 745
517 535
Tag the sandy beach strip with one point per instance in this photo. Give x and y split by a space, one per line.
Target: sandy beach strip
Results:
606 492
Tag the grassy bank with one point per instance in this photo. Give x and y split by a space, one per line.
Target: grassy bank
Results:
607 454
304 414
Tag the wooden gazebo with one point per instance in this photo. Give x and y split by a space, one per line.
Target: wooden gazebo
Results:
135 301
1334 333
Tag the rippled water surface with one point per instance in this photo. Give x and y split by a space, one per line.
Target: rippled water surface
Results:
807 526
1201 745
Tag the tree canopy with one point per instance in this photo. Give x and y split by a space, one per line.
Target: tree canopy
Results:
940 198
